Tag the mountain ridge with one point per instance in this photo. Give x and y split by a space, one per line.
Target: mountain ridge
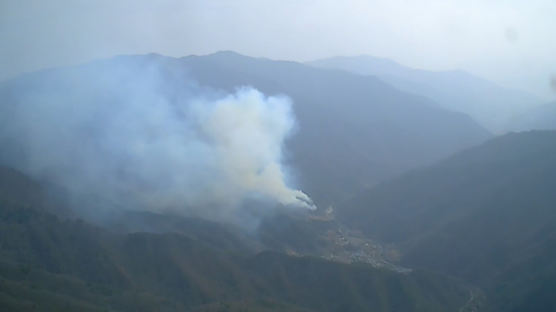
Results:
48 263
485 215
361 123
487 102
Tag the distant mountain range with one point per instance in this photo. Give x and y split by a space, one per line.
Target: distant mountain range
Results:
490 104
486 215
541 117
352 131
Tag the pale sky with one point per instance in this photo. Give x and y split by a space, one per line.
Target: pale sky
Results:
510 42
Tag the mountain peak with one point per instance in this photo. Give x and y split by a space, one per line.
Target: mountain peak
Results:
227 53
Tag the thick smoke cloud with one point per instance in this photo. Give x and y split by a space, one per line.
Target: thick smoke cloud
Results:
141 134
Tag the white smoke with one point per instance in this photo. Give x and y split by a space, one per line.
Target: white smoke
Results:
247 131
135 134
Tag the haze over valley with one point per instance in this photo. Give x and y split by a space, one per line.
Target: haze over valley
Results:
181 166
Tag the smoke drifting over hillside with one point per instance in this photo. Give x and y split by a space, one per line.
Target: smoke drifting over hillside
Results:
140 135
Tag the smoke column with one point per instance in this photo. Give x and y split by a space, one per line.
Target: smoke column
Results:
143 134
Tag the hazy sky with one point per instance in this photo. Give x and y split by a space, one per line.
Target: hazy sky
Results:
511 42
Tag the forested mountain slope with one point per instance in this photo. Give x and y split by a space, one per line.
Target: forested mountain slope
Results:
487 215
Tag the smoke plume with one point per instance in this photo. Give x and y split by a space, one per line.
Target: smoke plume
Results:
143 134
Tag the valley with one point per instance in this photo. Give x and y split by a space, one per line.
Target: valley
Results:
230 183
